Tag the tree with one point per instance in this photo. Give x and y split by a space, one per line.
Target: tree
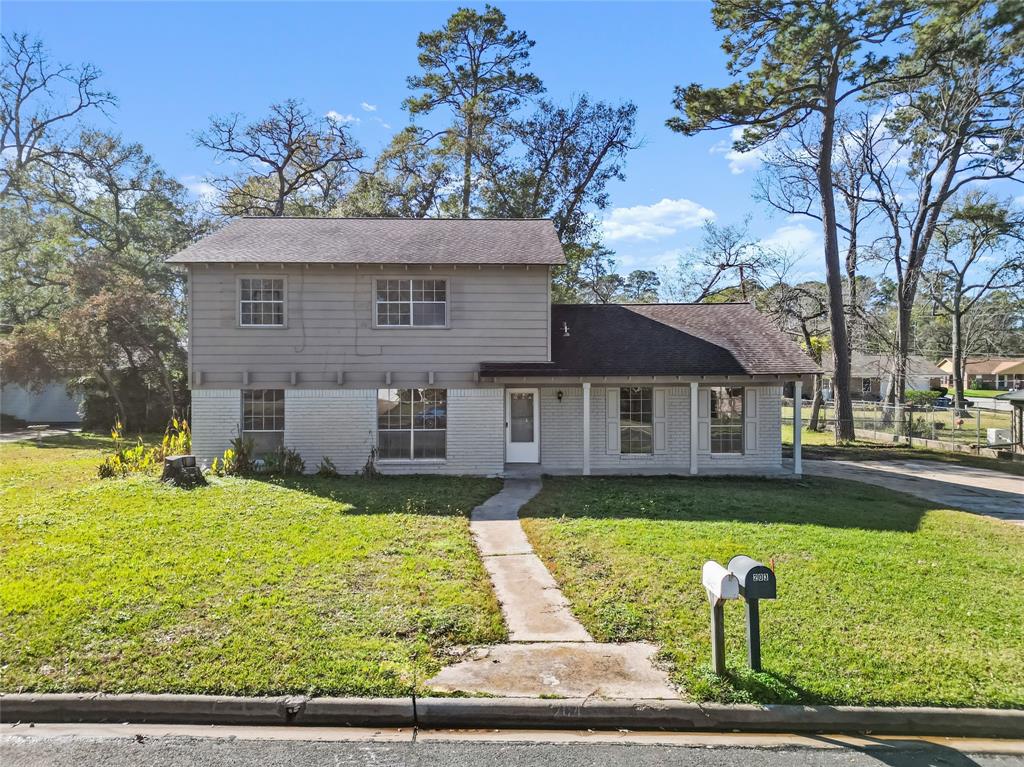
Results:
569 154
978 252
727 257
408 180
794 61
476 66
40 102
640 287
287 163
958 125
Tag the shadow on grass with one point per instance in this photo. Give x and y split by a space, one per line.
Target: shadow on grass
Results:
816 501
422 495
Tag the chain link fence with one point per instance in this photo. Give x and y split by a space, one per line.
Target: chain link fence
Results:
936 427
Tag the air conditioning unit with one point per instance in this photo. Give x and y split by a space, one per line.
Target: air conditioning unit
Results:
999 436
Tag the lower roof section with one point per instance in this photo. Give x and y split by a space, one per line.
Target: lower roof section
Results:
692 340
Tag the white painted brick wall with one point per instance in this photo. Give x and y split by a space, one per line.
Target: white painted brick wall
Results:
342 425
475 440
216 419
338 423
562 436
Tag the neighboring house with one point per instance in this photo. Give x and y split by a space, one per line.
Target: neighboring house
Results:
990 372
435 342
871 375
52 404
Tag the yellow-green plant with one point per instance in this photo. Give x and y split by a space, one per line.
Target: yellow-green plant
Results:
177 440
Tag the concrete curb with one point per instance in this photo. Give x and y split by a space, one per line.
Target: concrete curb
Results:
509 713
206 709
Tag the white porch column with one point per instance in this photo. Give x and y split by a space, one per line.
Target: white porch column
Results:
798 421
693 427
586 429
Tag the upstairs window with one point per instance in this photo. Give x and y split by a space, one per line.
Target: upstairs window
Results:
261 302
726 420
412 303
636 419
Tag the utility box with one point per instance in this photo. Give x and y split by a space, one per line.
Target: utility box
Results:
183 471
998 436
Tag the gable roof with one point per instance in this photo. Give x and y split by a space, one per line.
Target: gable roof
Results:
864 365
662 339
378 241
987 365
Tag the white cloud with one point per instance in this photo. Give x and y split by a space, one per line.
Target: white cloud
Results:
739 162
368 107
794 238
381 123
651 222
337 117
201 190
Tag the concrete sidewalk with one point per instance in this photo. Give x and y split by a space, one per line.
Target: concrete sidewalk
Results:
551 653
991 493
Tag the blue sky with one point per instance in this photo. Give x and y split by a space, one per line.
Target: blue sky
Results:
172 65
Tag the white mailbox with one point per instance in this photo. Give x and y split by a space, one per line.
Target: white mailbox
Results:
719 582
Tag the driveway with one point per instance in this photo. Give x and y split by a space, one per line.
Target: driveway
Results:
23 434
981 491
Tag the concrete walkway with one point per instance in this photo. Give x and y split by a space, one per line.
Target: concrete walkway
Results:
551 652
25 434
991 493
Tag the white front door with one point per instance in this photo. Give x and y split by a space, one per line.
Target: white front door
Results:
522 425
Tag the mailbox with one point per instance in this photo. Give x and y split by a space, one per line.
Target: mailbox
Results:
755 580
719 582
720 585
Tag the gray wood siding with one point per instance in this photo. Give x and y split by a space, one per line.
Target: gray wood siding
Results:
494 315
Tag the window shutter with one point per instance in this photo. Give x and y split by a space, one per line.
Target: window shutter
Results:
612 421
660 420
704 420
750 419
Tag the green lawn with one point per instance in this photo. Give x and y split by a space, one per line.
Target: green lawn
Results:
344 587
883 599
822 444
983 393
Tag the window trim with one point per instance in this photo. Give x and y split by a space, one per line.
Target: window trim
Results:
241 406
409 278
742 423
644 427
410 458
284 301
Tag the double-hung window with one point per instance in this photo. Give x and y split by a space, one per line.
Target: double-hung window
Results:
261 302
726 420
412 424
636 419
412 303
263 418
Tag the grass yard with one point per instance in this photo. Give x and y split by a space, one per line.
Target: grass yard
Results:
344 587
822 444
983 393
883 599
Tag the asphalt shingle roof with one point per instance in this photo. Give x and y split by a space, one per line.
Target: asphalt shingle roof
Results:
662 339
378 241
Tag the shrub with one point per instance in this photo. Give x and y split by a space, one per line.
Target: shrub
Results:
327 469
370 470
177 440
284 462
921 397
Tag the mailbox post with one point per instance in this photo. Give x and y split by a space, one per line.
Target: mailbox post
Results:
756 582
720 585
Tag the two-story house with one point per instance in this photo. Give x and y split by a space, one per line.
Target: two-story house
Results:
435 341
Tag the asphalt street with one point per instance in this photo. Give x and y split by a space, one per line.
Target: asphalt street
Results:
143 751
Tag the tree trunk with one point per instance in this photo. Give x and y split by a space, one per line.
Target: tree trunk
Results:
833 272
122 414
958 357
812 425
467 167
